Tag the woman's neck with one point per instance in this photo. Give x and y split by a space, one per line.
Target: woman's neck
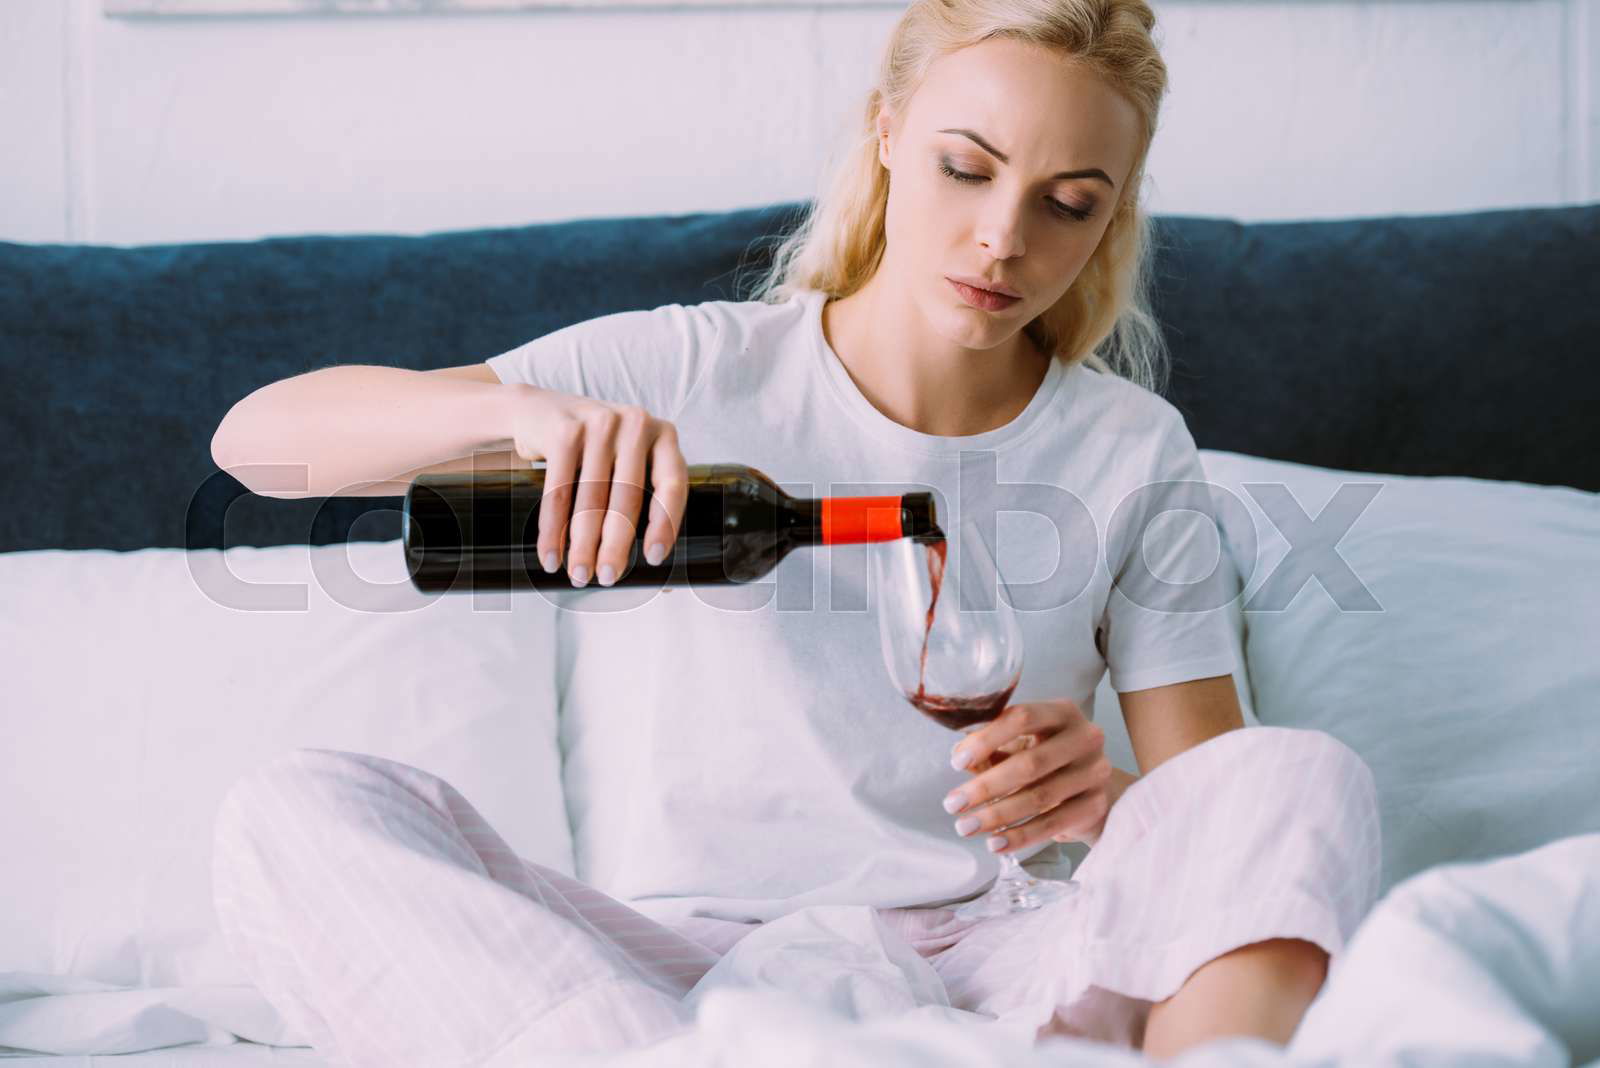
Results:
924 381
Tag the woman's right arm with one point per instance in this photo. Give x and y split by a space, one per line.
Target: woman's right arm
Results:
366 431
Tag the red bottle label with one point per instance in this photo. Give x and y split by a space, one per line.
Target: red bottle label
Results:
846 520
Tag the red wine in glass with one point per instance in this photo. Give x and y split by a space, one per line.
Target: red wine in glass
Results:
954 713
959 713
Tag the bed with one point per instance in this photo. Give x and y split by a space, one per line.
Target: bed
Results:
165 632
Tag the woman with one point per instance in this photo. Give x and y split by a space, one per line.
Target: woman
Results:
772 766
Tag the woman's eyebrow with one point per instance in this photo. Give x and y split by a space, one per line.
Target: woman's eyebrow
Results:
1092 172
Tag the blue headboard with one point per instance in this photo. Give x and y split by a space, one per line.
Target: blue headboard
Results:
1431 345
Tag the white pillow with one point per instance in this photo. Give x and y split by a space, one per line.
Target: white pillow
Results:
1473 687
139 686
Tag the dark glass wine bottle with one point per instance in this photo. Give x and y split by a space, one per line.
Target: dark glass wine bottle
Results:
480 530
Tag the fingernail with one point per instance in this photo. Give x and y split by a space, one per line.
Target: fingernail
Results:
608 574
967 824
655 553
955 802
960 758
550 562
996 844
580 575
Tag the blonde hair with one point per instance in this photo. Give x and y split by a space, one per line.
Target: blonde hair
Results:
1104 318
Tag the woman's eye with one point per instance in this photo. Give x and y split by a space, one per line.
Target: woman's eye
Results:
1063 210
951 172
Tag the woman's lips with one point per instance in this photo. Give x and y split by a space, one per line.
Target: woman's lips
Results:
982 298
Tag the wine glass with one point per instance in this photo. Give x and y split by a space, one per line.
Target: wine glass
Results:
957 656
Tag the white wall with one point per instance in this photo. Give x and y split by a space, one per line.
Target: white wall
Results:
145 130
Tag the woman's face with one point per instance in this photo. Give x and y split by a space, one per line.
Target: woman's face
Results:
1014 221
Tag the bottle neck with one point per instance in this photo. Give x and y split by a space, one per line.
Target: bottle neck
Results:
853 520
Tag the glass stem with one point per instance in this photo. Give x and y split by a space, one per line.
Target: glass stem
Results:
1012 879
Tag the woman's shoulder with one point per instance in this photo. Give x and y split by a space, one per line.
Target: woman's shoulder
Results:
775 335
739 318
1127 406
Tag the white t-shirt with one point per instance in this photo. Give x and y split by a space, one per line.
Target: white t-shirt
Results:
740 751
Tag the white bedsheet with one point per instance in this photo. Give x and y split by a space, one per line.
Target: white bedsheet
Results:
1483 964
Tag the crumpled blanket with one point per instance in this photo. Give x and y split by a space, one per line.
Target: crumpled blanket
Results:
1486 963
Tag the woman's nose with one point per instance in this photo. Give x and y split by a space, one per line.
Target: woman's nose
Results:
1000 231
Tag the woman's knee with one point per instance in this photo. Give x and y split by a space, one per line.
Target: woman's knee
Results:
1311 778
1324 790
1305 778
1302 763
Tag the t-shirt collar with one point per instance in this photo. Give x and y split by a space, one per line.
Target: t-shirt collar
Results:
880 426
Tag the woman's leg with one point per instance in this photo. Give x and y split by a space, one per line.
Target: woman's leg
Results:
392 926
1286 824
1260 990
1231 872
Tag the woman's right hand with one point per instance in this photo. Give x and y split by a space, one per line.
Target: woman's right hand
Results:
604 449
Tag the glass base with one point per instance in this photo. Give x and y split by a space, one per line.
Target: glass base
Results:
1020 892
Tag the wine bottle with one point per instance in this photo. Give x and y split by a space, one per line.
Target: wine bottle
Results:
480 530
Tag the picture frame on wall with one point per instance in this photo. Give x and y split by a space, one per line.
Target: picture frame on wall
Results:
223 8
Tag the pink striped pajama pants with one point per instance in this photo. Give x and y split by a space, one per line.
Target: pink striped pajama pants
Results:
390 925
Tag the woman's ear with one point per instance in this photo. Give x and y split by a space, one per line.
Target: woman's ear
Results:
884 125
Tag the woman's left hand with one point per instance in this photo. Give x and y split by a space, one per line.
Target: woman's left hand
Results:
1052 772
